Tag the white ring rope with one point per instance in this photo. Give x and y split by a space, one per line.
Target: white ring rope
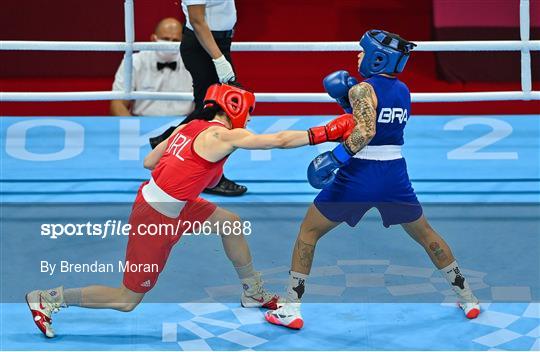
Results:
261 97
525 46
467 45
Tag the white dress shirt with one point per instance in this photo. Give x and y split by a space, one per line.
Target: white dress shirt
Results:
146 77
220 15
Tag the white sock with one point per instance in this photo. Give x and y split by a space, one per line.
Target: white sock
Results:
457 281
73 296
296 288
244 271
56 294
252 284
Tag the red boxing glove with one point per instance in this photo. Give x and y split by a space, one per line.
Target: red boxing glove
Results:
336 130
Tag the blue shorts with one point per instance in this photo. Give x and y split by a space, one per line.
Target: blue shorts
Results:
364 184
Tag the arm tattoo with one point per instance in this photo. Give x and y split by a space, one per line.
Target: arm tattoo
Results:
305 254
364 113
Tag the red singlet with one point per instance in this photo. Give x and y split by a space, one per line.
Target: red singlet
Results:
181 172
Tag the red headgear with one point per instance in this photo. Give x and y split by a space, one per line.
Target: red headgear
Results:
236 102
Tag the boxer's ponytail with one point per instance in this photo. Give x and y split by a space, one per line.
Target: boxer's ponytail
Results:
208 113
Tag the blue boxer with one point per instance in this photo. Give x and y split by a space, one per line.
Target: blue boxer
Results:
377 175
371 172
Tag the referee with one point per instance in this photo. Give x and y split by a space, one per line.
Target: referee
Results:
206 43
206 53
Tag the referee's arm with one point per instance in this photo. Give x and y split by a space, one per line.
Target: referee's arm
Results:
120 108
202 31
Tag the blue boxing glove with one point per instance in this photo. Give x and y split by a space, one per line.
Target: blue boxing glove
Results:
337 86
320 172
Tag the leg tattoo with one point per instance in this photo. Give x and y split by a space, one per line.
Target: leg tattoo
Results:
305 253
438 252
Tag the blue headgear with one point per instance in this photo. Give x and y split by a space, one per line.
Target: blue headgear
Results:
383 53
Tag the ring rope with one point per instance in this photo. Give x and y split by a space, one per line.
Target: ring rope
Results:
525 46
261 97
465 45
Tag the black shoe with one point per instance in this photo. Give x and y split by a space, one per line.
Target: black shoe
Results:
154 141
226 187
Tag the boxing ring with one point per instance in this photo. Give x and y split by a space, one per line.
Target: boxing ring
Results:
478 178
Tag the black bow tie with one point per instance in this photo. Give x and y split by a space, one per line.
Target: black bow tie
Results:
162 65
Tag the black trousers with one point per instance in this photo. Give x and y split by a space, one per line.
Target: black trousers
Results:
199 63
202 70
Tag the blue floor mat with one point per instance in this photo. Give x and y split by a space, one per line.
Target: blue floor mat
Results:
371 288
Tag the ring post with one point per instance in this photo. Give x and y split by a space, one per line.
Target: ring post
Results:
524 32
129 27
